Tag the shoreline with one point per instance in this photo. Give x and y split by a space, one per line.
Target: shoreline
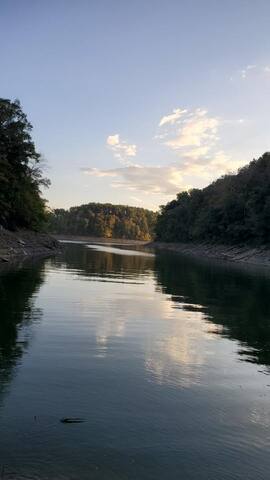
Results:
25 244
240 254
99 240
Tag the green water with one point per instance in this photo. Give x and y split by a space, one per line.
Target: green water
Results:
166 359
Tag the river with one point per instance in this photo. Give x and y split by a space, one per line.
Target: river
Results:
165 359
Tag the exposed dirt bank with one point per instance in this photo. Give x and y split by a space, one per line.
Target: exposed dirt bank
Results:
239 254
23 243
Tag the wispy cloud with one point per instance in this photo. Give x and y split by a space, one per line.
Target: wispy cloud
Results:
209 168
193 139
120 148
244 72
172 118
194 133
166 180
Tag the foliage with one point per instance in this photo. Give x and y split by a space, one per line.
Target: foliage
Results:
234 209
21 204
104 220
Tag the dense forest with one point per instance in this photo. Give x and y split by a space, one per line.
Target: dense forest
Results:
104 220
21 204
234 209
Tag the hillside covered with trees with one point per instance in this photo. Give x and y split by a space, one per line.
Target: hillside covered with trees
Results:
235 209
21 204
104 220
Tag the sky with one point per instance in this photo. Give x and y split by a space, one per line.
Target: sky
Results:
132 102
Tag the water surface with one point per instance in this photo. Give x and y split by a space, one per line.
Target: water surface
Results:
167 360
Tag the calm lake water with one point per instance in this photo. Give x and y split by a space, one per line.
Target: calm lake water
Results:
166 359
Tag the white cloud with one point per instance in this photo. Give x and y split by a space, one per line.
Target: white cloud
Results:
210 168
193 137
120 148
171 118
245 70
197 129
169 179
196 142
113 140
165 180
197 152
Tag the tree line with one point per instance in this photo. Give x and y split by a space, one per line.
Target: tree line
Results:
21 203
234 209
104 220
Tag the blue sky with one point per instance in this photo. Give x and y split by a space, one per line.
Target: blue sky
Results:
132 102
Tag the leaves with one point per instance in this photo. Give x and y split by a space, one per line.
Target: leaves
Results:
104 220
21 177
234 209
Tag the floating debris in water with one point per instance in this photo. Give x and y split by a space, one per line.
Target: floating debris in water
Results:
71 420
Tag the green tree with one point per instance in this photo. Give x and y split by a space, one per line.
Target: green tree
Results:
234 209
21 204
104 220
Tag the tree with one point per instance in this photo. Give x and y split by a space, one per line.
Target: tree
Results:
104 220
234 209
21 204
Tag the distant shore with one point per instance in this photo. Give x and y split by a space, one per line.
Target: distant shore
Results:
89 239
25 243
231 253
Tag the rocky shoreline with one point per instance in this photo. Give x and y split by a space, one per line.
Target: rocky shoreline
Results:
24 243
230 253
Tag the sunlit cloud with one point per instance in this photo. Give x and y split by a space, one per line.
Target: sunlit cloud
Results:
209 168
170 179
113 140
195 140
197 152
120 148
198 129
165 180
192 137
171 118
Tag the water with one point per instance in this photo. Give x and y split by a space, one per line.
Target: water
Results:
166 359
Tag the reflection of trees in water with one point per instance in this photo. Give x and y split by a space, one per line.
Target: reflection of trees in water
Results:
91 262
17 287
236 301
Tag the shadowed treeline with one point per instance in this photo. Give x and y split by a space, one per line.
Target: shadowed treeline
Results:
235 209
237 301
21 179
18 286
